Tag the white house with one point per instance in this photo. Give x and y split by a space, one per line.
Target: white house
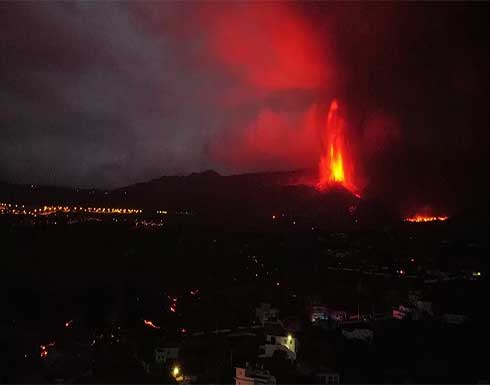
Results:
253 376
276 339
164 354
322 312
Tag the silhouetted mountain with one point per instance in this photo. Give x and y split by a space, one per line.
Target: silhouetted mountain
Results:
234 197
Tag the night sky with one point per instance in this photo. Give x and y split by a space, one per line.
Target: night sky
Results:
108 94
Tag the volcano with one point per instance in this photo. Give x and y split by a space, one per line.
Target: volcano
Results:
239 198
335 167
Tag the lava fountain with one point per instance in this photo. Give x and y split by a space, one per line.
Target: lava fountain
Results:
334 166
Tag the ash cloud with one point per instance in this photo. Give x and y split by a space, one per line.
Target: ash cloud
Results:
108 94
92 99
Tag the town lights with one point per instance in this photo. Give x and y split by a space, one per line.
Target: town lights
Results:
7 208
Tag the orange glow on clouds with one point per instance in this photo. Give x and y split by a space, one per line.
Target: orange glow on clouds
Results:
276 64
267 45
278 138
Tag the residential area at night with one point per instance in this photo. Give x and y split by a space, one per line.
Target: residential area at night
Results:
244 192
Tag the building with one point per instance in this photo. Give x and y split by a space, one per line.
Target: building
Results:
166 353
404 312
253 376
323 313
277 340
266 313
420 310
318 313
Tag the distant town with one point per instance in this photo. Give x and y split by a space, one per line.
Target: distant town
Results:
173 298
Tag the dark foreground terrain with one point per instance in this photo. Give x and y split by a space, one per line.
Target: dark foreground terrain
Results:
87 298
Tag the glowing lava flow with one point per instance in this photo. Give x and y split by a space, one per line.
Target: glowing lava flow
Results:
151 324
44 349
424 218
332 166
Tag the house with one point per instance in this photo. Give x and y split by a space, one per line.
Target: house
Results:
318 313
166 353
277 340
266 313
419 310
323 313
337 315
253 376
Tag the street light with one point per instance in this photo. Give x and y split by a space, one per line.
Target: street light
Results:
175 371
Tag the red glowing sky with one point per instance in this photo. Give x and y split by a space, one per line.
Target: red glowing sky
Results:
284 75
268 46
109 93
269 73
279 66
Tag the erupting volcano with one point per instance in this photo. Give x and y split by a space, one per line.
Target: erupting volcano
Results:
334 166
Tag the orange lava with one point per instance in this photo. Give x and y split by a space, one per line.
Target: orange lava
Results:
151 324
334 160
44 349
424 218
